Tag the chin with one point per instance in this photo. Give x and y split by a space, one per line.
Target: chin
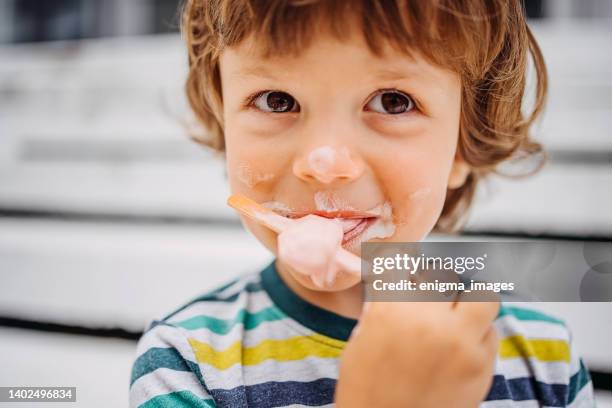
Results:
342 282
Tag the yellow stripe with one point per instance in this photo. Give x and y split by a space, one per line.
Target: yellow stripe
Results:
294 348
541 349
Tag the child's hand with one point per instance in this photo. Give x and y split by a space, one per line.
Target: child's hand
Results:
422 355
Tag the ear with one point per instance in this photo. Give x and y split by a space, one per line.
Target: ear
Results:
459 172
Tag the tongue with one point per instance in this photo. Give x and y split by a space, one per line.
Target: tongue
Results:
349 224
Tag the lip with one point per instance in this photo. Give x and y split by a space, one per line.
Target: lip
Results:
353 223
347 214
358 229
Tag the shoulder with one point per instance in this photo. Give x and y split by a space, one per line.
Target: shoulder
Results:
167 369
222 302
525 321
537 359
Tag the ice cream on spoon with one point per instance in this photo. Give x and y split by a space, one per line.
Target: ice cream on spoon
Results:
311 245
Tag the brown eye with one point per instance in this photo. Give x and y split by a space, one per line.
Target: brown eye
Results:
275 101
391 102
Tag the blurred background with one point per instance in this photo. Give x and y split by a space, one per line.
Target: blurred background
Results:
109 213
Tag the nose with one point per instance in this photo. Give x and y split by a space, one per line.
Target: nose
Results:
328 164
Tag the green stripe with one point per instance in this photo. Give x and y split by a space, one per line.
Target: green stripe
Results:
221 326
179 399
577 382
527 315
157 357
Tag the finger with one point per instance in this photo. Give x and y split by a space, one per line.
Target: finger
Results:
476 314
436 279
490 340
364 310
490 345
489 349
467 297
405 311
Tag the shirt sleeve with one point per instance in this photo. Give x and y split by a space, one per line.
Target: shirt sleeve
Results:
165 373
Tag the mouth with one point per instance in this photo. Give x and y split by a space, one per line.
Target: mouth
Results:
344 214
357 225
354 223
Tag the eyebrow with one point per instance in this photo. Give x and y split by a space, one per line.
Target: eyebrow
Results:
255 71
388 74
393 74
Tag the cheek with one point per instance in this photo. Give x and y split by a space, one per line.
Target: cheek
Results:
253 166
417 208
252 173
267 237
415 181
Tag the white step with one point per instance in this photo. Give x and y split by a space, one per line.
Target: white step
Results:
98 367
117 275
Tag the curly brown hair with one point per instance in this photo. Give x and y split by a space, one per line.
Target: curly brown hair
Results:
487 42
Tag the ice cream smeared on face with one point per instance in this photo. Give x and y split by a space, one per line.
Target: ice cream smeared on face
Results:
327 163
322 159
356 225
278 207
328 201
383 227
420 193
310 242
251 178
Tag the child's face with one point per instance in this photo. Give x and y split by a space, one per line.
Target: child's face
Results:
339 132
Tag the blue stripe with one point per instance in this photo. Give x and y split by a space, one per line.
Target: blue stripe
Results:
276 394
523 389
157 357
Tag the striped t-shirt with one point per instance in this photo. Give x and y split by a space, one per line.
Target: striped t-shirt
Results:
255 343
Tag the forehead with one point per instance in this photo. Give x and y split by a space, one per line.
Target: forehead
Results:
327 55
283 28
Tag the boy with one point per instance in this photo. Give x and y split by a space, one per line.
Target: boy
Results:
369 121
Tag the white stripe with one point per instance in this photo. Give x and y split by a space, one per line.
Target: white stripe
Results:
510 326
304 370
574 359
240 285
252 302
310 406
274 330
549 372
164 337
168 336
300 328
584 398
510 403
164 381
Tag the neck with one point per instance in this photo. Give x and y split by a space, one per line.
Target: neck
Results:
347 303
